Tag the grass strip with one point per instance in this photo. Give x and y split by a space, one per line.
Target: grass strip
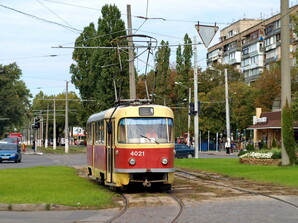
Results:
52 185
61 150
284 175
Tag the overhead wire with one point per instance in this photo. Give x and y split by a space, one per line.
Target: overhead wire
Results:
33 57
42 19
79 6
54 13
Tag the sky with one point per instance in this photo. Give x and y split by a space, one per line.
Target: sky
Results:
31 29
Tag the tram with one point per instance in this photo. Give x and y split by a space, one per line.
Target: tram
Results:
132 145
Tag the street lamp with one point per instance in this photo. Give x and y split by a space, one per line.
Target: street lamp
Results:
188 120
227 102
66 120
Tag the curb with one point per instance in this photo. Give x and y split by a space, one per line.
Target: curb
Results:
34 207
32 153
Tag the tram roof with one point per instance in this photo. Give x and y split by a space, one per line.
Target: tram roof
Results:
107 113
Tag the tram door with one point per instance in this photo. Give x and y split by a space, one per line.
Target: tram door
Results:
110 151
92 143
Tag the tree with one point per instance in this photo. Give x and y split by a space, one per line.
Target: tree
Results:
96 70
288 133
42 102
162 57
184 66
269 85
14 103
212 77
241 102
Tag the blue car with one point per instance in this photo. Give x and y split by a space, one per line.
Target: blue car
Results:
184 151
10 152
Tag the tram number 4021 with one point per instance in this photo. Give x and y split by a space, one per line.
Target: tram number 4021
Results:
137 153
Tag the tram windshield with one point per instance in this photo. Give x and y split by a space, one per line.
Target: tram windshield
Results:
145 130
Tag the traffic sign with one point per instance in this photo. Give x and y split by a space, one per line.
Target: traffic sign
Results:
206 33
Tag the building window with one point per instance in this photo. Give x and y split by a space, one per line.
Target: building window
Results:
230 33
232 56
269 29
254 35
245 51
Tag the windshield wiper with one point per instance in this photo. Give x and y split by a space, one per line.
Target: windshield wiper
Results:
150 139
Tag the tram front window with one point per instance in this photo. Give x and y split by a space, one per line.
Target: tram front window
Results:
145 130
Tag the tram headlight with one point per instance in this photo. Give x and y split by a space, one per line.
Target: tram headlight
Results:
132 161
164 161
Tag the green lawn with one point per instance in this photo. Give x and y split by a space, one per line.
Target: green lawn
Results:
52 185
61 185
61 149
287 176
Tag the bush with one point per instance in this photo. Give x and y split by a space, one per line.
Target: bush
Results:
274 143
288 133
276 154
249 147
242 152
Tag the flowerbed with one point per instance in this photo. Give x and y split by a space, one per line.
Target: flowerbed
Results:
257 155
254 161
260 158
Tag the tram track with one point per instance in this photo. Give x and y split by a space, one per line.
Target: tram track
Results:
229 184
126 213
123 210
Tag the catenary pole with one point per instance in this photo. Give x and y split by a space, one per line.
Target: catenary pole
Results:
196 116
285 67
54 125
227 107
66 119
132 78
188 117
47 128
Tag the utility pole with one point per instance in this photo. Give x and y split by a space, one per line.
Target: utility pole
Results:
188 117
285 67
227 107
132 78
54 125
41 129
196 116
47 128
66 119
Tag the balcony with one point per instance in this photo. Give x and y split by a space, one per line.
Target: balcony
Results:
270 60
270 47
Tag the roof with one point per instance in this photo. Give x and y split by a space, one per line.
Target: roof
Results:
269 120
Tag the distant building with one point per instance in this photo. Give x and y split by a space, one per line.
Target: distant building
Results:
267 127
250 45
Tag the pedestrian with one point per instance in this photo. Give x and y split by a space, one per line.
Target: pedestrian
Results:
260 144
228 146
33 146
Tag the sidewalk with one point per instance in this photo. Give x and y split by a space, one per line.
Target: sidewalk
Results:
217 154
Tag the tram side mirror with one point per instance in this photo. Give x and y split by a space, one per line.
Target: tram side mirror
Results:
110 128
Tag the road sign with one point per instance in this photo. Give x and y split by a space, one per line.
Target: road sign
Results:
206 33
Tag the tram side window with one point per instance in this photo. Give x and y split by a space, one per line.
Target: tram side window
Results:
121 136
171 129
89 134
99 136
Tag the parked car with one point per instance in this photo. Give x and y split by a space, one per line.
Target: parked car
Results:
10 152
184 151
7 140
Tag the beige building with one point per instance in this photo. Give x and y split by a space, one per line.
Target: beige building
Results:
250 45
267 126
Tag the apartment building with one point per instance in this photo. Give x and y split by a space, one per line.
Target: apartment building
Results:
250 45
